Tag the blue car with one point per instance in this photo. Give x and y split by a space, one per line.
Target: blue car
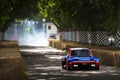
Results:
79 58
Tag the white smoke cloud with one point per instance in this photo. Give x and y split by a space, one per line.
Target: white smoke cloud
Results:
30 33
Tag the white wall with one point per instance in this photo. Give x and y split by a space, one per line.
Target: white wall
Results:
53 29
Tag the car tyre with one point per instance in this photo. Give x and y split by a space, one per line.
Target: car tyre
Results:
68 67
63 63
97 68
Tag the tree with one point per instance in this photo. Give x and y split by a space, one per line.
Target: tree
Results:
118 13
16 9
81 14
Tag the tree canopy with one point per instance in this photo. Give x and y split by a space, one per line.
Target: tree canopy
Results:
66 14
16 9
83 14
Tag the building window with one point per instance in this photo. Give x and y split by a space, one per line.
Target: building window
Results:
49 27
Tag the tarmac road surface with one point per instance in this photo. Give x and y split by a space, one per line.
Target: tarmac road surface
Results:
44 63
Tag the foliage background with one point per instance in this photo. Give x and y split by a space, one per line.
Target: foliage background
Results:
66 14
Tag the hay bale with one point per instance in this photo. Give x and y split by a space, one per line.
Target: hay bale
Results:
11 69
107 57
5 44
11 62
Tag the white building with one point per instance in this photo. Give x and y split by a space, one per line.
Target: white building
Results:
51 30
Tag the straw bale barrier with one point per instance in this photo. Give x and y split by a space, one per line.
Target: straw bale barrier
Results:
11 62
106 55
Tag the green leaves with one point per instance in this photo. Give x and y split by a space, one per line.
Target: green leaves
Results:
94 14
17 9
66 14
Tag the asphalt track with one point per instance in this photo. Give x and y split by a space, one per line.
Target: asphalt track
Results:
43 63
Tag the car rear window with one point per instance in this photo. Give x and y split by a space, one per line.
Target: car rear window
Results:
80 53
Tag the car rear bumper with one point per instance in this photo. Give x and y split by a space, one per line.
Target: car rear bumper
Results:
83 64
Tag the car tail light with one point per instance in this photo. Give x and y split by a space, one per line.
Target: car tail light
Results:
97 64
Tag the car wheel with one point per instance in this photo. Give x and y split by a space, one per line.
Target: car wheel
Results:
68 67
97 68
63 63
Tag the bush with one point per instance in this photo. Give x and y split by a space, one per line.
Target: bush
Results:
24 77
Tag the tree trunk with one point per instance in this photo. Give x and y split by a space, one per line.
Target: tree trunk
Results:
1 36
117 40
118 12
